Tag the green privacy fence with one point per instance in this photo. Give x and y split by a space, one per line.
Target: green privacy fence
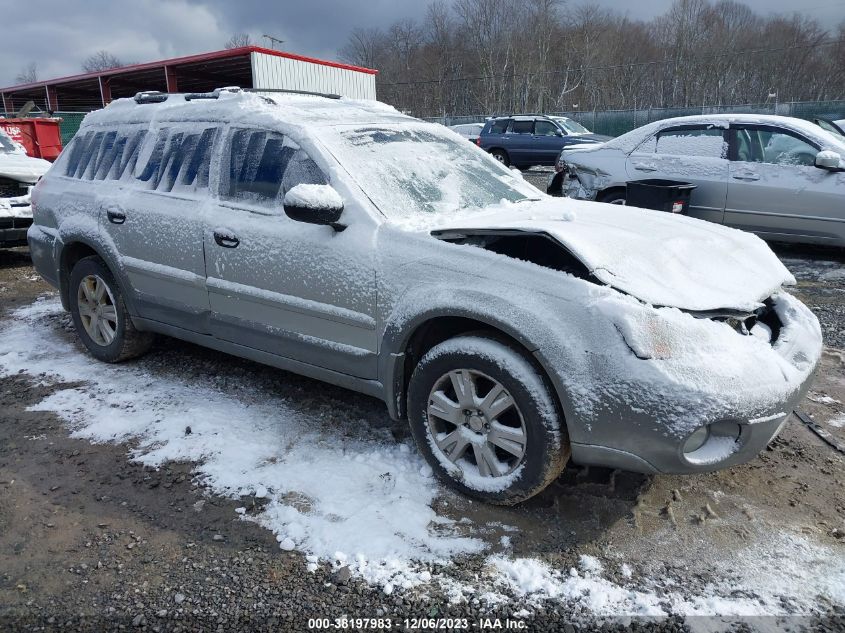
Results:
69 125
616 122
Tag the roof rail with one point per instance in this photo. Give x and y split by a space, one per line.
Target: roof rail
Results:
295 92
156 96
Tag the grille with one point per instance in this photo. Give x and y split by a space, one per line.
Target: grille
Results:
11 188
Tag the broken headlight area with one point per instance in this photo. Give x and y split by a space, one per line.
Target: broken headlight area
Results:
764 322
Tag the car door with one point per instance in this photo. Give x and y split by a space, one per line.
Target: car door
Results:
520 144
152 214
301 291
548 141
776 190
697 154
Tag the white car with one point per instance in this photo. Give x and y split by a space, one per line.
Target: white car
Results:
18 173
470 131
779 177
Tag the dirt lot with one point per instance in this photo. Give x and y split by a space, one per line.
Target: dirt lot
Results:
93 539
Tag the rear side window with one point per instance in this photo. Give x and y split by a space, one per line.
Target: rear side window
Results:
704 142
264 165
523 127
500 126
176 159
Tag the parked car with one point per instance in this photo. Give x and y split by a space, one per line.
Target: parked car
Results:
347 242
469 131
527 140
18 173
779 177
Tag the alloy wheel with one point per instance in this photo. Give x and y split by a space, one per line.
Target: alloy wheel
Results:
97 310
476 424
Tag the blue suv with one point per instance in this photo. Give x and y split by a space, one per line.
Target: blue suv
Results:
526 140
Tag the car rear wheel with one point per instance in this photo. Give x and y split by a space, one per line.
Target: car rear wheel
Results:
486 420
501 156
99 314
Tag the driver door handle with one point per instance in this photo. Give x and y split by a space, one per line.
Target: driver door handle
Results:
745 175
226 240
115 217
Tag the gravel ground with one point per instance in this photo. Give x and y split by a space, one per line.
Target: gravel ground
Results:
90 540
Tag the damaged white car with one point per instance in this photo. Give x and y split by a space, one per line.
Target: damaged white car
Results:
18 173
345 241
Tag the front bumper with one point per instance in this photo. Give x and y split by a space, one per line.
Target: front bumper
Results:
638 413
15 219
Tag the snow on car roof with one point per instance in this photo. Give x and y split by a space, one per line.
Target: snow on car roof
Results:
627 142
254 107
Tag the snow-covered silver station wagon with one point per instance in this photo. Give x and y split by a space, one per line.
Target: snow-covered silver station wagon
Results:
345 241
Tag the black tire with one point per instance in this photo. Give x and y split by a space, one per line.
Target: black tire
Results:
501 156
614 197
128 342
546 442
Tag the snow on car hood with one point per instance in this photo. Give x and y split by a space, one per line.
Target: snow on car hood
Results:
660 258
19 166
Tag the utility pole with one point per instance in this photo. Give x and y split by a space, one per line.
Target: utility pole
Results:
273 41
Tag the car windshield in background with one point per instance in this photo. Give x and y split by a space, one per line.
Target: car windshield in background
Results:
411 170
6 144
571 127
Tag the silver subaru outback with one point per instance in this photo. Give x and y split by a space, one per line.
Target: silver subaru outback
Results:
345 241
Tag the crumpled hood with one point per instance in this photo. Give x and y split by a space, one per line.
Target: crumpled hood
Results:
657 257
19 166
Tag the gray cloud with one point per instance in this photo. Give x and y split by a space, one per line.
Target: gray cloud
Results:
59 35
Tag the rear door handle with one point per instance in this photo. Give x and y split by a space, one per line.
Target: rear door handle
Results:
745 175
644 167
226 240
115 217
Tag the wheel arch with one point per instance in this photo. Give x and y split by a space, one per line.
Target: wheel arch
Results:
75 248
405 345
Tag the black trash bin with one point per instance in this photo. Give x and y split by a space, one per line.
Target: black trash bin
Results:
658 194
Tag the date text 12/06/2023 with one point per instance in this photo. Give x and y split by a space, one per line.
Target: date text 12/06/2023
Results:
416 624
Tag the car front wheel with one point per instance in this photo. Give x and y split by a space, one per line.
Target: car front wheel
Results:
100 316
501 156
486 420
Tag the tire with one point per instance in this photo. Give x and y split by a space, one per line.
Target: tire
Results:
532 427
93 289
501 156
614 197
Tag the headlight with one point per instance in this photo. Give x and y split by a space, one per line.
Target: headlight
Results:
648 337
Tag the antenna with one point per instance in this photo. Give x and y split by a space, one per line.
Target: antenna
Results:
273 41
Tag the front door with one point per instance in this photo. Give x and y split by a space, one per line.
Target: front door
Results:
300 291
776 191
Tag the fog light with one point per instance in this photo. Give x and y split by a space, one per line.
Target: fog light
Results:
712 443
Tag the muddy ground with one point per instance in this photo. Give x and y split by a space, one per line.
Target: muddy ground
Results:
90 540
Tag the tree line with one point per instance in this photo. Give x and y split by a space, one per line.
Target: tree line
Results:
500 56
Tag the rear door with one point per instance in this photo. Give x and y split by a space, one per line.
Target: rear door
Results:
301 291
697 154
152 211
775 189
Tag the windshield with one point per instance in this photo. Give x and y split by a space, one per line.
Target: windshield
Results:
413 169
833 128
6 144
571 127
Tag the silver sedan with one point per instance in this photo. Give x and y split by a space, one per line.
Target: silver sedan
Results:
779 177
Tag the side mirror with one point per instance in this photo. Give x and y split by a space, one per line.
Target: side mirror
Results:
830 160
314 204
558 133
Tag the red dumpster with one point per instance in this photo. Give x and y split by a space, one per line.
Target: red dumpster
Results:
41 138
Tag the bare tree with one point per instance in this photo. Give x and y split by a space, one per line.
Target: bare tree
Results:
28 74
101 60
239 40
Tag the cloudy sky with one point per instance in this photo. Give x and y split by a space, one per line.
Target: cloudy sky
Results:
59 35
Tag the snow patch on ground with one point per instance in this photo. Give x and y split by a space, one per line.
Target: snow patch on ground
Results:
365 504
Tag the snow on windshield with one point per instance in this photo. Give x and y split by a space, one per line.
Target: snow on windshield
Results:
572 127
408 170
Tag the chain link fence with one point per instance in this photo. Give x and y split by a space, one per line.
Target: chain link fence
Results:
616 122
